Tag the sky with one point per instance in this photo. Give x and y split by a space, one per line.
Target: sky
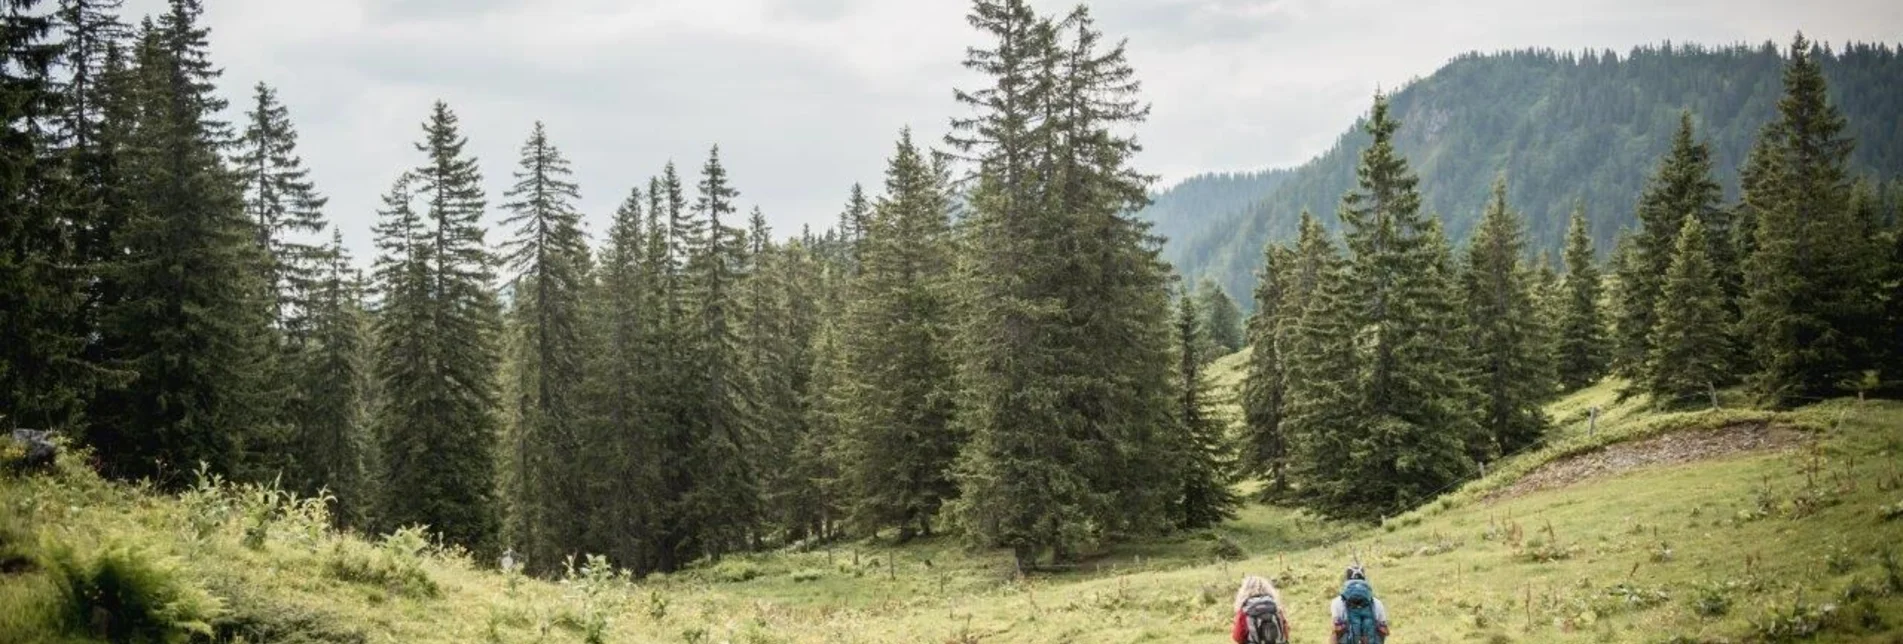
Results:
806 97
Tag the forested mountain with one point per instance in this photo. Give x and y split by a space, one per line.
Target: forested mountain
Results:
1567 129
1179 211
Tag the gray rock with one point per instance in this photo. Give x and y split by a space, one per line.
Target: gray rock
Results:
40 448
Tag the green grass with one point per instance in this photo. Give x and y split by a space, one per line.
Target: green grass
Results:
1763 546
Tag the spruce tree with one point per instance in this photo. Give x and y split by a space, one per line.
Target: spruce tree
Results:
1682 187
896 394
286 209
1689 351
286 213
1409 382
437 357
1207 466
1222 320
622 455
1809 310
1324 417
1506 331
1264 385
722 504
548 258
1065 345
332 440
40 291
1629 313
1582 350
790 492
191 322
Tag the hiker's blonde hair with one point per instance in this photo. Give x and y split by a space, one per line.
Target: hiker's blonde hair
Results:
1253 586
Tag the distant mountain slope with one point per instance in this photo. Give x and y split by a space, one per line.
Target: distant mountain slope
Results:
1184 208
1566 129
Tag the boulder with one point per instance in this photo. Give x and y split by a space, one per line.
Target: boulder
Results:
39 445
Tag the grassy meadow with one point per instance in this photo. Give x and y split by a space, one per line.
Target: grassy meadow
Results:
1799 541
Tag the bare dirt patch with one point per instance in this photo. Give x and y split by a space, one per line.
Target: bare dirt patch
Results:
1676 447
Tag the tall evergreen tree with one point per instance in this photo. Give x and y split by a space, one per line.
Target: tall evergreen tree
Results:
332 437
548 256
1628 313
1065 344
622 455
40 291
1207 468
1682 187
437 346
286 209
1582 350
1810 280
1506 334
1222 320
1407 379
1689 352
286 213
1265 386
722 505
1323 416
896 395
192 319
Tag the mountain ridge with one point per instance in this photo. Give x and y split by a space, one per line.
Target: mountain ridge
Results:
1566 129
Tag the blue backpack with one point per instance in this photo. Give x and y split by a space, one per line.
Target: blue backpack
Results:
1357 597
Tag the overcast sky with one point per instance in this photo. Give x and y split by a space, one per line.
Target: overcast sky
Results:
806 96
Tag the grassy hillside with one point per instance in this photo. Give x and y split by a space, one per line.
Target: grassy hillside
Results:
1798 539
1565 129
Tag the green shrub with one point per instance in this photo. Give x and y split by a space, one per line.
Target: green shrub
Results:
733 571
1711 601
1801 622
592 587
808 574
395 565
124 594
1226 549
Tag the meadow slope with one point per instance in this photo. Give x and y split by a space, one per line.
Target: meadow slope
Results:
1792 538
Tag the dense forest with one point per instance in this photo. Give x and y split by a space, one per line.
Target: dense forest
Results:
988 344
1570 130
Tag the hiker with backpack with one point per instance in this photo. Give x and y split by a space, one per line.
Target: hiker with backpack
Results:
1359 616
1259 615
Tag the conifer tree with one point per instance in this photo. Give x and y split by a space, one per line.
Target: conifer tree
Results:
1065 343
791 491
1582 351
1809 307
286 213
896 394
1323 414
437 356
286 209
548 259
40 292
1409 384
1629 313
1689 352
723 502
1206 467
1265 387
332 437
1681 187
1506 331
853 222
192 321
622 453
1222 320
